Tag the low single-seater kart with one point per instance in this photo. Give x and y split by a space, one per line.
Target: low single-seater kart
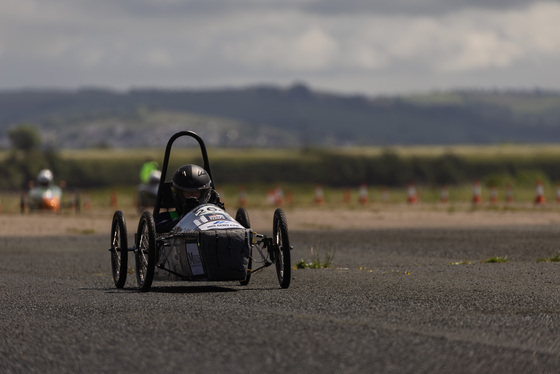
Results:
206 244
42 198
47 199
46 196
147 192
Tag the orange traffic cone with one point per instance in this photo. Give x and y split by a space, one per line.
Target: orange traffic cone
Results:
363 199
270 197
477 198
319 199
539 199
493 195
347 197
509 194
87 201
242 197
114 200
412 197
278 196
444 195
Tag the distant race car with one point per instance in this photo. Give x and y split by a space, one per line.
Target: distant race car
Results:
201 242
45 196
147 192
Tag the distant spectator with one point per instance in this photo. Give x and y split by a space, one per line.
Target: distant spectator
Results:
147 168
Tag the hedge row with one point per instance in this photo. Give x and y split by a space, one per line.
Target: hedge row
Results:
327 168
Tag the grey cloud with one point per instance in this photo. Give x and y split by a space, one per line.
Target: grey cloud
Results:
373 46
408 7
332 7
186 8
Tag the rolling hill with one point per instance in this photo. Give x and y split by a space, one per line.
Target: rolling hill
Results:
268 116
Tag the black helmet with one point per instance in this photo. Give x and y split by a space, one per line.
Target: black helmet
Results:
191 186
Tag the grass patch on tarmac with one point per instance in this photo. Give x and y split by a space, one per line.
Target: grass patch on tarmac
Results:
316 262
496 260
550 259
81 231
462 262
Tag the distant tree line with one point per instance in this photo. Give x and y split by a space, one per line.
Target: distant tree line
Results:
388 169
312 166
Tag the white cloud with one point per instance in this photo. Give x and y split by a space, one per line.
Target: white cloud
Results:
159 57
466 41
480 50
537 28
306 50
502 39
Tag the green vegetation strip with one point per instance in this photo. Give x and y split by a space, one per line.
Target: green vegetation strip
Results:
496 259
316 262
550 259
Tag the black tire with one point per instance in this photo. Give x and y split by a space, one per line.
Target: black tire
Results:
145 252
281 248
119 249
22 204
243 218
77 203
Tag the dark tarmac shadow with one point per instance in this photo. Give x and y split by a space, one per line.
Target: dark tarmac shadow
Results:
184 289
170 289
190 289
206 289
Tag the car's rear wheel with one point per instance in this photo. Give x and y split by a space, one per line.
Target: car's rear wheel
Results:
281 248
119 249
145 252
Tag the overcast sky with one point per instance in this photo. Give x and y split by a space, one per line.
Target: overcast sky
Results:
345 46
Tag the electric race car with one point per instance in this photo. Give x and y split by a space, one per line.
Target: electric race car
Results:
201 243
45 196
147 191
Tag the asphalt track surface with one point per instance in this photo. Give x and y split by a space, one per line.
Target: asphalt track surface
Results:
393 303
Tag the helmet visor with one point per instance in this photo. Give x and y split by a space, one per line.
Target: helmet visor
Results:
191 194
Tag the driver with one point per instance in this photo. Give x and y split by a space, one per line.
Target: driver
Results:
190 186
45 178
